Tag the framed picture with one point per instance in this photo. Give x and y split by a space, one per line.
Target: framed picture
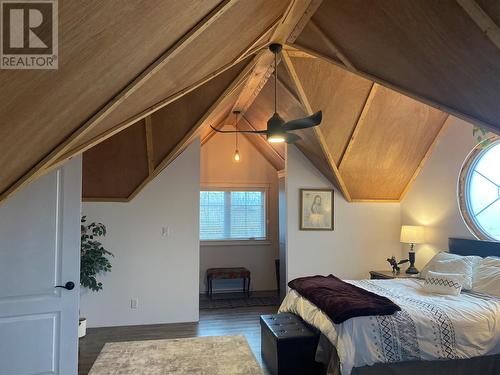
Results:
316 209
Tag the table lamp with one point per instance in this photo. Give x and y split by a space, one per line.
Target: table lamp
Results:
412 234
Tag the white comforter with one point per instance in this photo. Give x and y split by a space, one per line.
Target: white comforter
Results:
428 327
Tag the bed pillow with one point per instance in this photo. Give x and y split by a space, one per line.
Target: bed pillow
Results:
487 277
456 266
443 283
468 271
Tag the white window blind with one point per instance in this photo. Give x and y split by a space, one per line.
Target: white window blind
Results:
232 215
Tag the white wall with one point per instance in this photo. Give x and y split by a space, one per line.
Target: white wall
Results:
432 200
219 169
161 272
365 233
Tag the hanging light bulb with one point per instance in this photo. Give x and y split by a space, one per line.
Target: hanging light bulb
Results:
236 155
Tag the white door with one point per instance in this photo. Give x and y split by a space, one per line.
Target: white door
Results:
39 249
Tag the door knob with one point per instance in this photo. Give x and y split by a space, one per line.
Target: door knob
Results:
70 285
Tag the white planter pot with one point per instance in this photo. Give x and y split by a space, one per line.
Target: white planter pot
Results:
82 327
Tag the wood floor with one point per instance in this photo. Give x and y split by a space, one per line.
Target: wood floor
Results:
212 323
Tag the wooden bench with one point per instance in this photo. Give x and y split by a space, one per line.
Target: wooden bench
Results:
228 273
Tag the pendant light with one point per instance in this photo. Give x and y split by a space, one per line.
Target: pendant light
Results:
236 155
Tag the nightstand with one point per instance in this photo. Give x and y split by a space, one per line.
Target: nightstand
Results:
390 275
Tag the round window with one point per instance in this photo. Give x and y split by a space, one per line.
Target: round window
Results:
479 191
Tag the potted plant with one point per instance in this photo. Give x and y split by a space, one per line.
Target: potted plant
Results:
93 261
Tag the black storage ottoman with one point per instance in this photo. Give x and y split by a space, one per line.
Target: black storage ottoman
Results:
289 345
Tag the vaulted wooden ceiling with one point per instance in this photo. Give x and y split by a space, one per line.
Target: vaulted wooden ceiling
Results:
132 98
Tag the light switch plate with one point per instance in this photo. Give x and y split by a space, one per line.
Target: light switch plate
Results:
165 231
133 303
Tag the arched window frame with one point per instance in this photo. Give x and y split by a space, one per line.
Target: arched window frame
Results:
463 183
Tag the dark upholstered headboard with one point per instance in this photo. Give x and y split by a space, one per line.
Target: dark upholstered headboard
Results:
462 246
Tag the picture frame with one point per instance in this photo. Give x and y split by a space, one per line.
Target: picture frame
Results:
316 209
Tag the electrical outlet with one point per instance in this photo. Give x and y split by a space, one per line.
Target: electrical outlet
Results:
133 303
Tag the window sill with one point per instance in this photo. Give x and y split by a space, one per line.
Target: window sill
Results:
236 243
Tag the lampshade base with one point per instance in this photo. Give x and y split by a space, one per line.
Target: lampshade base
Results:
412 270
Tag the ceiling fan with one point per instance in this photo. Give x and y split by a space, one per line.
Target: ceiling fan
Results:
277 129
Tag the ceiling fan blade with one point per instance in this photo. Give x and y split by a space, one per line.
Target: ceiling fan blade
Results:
239 131
292 138
303 123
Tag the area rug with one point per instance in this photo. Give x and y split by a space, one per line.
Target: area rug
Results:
228 355
231 303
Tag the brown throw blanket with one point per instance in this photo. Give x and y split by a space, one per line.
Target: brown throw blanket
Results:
340 300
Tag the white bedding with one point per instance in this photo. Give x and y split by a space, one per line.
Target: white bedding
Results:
428 327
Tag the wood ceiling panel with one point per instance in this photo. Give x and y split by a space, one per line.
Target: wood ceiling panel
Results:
211 115
341 96
224 114
40 108
390 142
309 40
223 110
324 162
491 8
171 123
113 169
265 38
431 50
289 107
287 82
221 43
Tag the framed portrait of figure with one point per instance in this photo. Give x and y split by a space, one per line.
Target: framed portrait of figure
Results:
316 209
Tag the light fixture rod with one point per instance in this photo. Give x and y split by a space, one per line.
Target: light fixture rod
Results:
275 48
236 127
275 82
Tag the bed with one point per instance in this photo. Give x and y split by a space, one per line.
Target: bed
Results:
432 334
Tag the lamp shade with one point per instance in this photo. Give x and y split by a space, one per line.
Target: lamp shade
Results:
412 234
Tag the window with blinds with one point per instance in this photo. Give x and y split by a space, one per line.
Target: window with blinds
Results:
232 215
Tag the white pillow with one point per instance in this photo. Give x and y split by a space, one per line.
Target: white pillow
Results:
443 283
456 266
487 277
468 271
